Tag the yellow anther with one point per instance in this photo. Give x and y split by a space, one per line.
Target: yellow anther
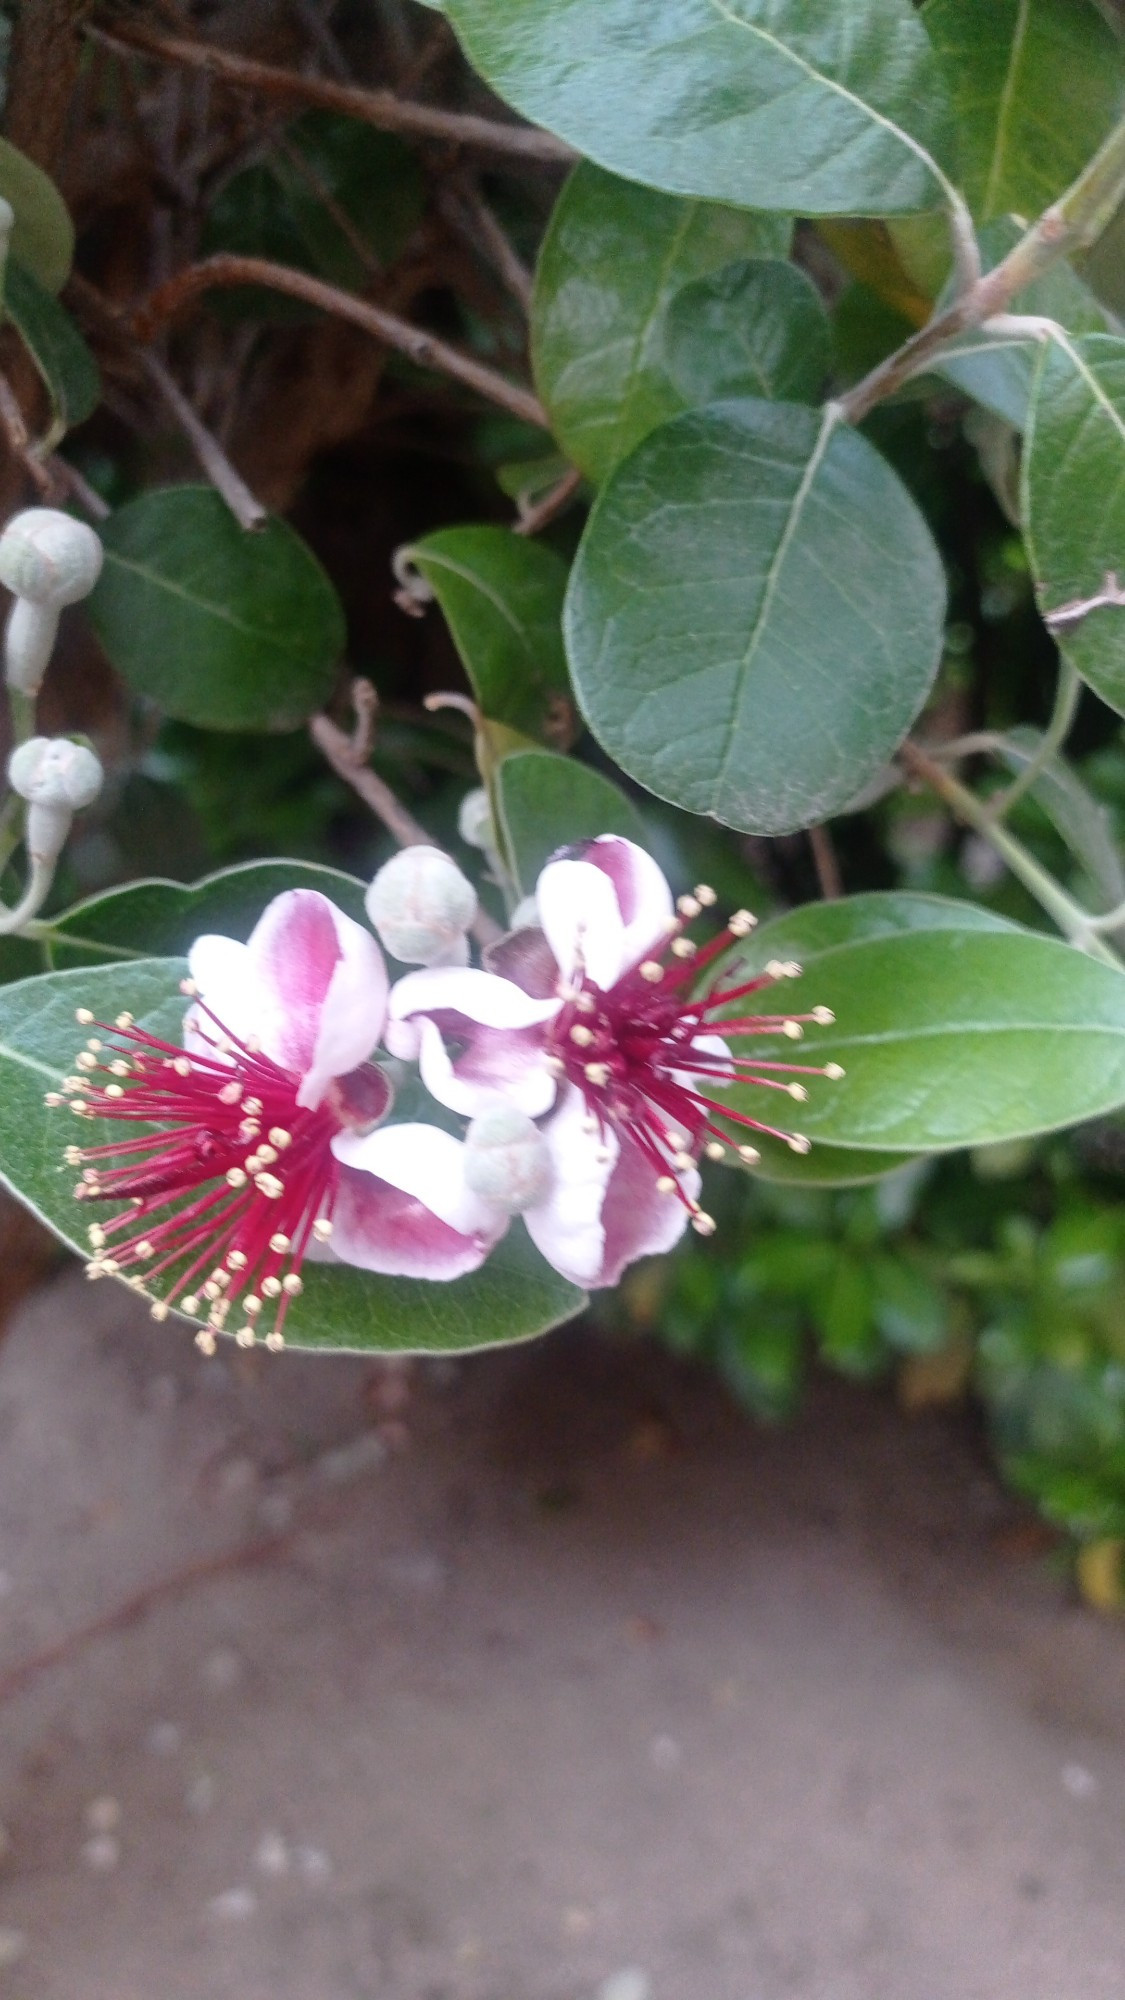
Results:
597 1074
823 1016
703 1225
688 906
95 1268
252 1305
797 1143
586 1003
280 1244
230 1093
143 1250
119 1067
79 1107
267 1155
158 1310
582 1037
83 1016
52 1101
279 1137
236 1260
322 1229
84 1060
792 1030
74 1157
652 970
182 1066
749 1155
123 1021
705 894
715 1150
665 1185
189 987
275 1341
271 1288
190 1304
798 1091
252 1107
683 948
210 1290
292 1285
236 1178
205 1339
834 1071
742 923
245 1336
95 1235
114 1090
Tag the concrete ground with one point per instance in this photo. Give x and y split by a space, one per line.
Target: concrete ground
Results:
545 1676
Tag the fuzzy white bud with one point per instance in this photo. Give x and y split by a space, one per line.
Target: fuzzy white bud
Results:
474 820
525 916
57 778
47 560
507 1160
421 905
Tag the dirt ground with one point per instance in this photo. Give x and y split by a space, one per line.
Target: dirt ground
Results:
552 1679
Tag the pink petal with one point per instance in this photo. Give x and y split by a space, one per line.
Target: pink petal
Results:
567 1227
402 1206
637 1220
525 957
479 996
324 985
491 1063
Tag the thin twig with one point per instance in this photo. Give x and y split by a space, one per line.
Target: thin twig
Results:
465 209
19 438
90 502
342 752
248 511
827 866
532 519
380 108
425 349
1065 616
1070 224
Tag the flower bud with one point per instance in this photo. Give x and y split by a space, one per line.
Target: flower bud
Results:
421 905
507 1160
525 916
57 777
46 560
474 820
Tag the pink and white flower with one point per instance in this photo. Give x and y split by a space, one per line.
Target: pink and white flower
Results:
596 1020
271 1144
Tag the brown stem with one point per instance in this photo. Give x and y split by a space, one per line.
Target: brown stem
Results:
466 210
374 107
1070 224
43 70
827 866
425 349
248 511
531 519
19 439
342 752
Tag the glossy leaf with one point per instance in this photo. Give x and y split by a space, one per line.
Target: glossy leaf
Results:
43 234
1036 85
820 107
956 1038
160 918
502 596
1074 499
514 1296
58 350
755 328
224 629
613 259
546 802
755 615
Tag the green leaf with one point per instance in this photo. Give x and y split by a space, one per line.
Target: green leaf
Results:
224 629
825 1166
513 1296
159 918
502 596
58 350
546 802
818 107
1074 498
335 198
956 1038
1036 86
755 328
755 615
612 261
911 1309
43 235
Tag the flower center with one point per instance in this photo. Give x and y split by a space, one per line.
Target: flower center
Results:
228 1180
647 1053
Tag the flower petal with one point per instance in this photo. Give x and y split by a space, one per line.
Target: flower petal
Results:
499 1032
567 1227
637 1220
324 987
225 975
643 895
582 921
403 1207
479 996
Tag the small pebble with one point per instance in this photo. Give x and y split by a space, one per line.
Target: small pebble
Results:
164 1739
221 1669
629 1984
201 1794
233 1904
271 1856
103 1815
665 1753
101 1852
1078 1781
13 1945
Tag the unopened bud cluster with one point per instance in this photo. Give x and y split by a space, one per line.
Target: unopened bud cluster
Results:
47 560
57 777
422 906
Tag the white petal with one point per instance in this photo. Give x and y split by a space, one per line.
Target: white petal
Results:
324 986
480 996
427 1164
567 1226
494 1062
643 896
582 922
227 981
